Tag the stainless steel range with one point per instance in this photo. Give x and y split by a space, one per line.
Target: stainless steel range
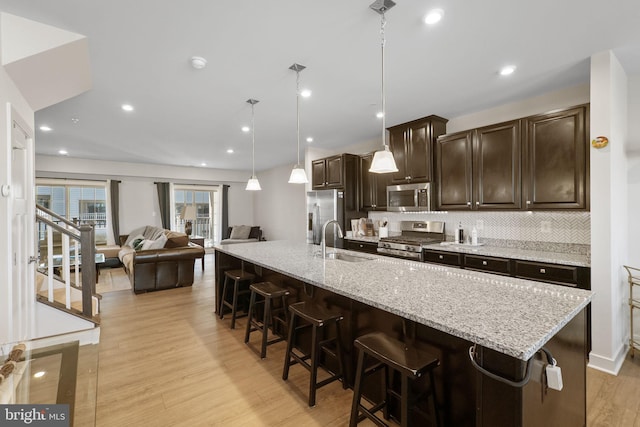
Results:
415 235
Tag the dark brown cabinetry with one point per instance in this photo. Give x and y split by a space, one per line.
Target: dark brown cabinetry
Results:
557 161
334 171
442 257
370 248
412 147
552 273
480 169
490 264
538 162
373 186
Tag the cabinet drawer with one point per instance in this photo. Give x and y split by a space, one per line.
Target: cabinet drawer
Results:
561 274
371 248
448 258
483 263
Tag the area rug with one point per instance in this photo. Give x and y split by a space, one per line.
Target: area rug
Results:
112 279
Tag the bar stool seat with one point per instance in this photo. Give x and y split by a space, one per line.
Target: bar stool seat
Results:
269 292
411 363
238 278
317 318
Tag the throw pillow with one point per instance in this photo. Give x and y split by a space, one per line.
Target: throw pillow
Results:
137 244
159 242
240 232
176 239
146 244
134 234
132 241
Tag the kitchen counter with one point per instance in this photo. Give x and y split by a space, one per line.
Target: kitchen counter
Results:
512 316
368 239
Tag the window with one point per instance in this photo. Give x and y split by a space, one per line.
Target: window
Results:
206 203
78 203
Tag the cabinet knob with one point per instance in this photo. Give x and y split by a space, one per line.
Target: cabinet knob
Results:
484 262
440 256
528 202
477 203
543 271
468 203
362 246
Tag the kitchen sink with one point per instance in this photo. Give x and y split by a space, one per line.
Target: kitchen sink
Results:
347 257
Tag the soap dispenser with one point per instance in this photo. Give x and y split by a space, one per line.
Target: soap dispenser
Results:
459 238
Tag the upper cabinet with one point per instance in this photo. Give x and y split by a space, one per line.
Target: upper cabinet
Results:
372 187
412 147
537 162
328 172
557 160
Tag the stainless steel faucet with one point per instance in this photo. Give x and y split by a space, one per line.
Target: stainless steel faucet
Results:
323 242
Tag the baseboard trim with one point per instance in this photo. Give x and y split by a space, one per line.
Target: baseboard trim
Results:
609 365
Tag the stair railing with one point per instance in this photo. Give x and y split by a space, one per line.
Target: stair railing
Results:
78 250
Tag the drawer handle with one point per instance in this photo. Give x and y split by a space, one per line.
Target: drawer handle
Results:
441 256
543 271
362 246
484 262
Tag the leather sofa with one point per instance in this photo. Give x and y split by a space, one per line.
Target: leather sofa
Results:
152 268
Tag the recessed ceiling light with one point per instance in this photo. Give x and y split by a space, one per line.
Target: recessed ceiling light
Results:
433 16
45 128
309 139
127 107
230 151
39 374
305 93
63 152
74 119
198 62
509 69
246 128
379 114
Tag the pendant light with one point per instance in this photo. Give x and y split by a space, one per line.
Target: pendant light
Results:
383 161
298 174
253 184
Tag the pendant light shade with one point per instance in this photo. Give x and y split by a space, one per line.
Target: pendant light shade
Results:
383 161
253 184
298 174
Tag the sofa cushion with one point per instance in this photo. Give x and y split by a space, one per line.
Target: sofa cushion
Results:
134 234
175 239
240 232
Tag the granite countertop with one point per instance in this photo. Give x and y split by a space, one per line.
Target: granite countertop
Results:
514 253
512 316
368 239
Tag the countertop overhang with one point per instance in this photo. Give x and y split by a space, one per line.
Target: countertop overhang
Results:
513 316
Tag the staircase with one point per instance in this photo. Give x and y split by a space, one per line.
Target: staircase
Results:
66 276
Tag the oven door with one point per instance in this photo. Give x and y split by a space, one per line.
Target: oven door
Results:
399 253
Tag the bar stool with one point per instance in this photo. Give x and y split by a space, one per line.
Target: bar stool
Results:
410 362
269 292
238 277
316 318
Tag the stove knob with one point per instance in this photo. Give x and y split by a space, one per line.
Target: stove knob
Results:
408 248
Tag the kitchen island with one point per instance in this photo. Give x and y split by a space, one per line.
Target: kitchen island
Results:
446 310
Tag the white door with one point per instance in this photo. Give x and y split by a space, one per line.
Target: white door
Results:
21 209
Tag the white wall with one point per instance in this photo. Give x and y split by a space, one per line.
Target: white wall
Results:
608 212
633 173
138 193
280 206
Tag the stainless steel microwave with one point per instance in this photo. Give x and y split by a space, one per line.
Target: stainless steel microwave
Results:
409 197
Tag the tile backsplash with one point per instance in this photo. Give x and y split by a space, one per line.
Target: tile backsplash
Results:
537 227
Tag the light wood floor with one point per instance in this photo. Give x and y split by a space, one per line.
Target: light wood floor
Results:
166 360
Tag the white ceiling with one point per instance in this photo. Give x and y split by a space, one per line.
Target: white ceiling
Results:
140 54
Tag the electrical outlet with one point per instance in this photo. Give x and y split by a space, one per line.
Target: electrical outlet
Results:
545 226
479 224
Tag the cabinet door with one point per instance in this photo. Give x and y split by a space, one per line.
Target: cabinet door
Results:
556 160
453 171
381 180
397 145
318 177
496 166
333 172
418 157
367 183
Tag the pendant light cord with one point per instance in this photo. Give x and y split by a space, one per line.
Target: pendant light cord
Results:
298 114
383 22
253 142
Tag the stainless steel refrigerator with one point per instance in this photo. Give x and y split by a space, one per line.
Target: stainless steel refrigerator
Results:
322 206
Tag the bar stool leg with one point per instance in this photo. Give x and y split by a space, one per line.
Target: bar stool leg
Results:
252 302
435 414
404 401
357 390
222 297
287 355
234 308
340 355
265 327
315 355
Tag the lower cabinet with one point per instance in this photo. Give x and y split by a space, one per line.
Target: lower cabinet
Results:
354 245
558 274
